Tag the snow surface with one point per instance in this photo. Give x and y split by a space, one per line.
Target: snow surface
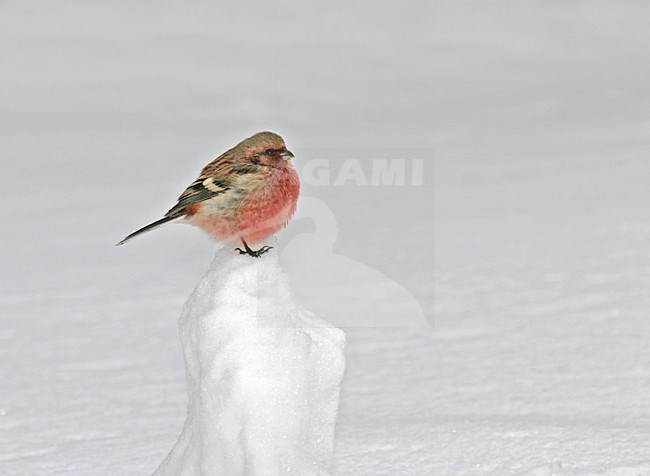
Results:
263 375
533 120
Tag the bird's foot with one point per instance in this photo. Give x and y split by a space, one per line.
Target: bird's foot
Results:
254 254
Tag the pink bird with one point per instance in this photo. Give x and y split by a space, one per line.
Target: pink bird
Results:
245 195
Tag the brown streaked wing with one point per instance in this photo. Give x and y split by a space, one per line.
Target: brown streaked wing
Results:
214 180
203 188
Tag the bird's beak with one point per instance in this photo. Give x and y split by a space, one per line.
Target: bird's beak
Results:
286 154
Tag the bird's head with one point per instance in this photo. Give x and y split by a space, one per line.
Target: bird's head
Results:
264 148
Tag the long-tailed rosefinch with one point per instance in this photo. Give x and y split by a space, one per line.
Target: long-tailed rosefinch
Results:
246 194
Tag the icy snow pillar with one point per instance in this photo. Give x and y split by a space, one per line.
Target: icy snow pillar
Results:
263 376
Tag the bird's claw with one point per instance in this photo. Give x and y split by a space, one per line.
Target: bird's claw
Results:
254 254
262 250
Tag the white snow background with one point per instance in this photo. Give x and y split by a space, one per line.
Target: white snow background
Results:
532 267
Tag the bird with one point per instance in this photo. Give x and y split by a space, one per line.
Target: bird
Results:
245 195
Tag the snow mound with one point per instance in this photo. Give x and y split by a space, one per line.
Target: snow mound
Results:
263 375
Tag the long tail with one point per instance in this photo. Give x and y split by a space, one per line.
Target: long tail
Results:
150 226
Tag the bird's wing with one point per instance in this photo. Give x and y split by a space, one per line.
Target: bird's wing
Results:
215 179
245 168
203 188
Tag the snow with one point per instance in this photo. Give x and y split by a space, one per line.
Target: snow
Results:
263 375
525 247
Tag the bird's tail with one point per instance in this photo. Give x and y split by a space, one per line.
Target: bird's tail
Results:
150 226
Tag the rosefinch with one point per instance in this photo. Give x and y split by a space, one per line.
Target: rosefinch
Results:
246 194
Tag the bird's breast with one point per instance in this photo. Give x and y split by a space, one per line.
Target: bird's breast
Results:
269 206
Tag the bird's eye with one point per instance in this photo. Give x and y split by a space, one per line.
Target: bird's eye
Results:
269 151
